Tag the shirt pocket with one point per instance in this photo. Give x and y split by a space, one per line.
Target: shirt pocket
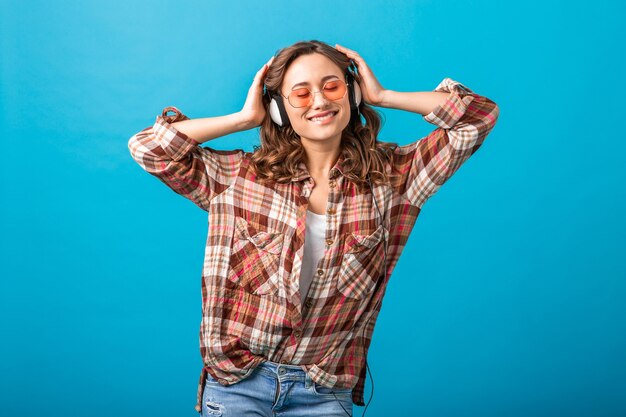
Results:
362 263
255 258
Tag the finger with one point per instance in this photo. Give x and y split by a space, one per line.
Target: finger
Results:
356 58
267 66
260 73
258 77
347 51
343 47
343 50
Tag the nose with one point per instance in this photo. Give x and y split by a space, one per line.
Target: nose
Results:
319 100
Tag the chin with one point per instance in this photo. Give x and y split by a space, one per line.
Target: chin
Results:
317 135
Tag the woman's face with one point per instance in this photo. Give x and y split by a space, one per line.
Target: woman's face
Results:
313 71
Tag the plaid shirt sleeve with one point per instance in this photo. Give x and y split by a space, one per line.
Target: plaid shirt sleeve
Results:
463 121
195 172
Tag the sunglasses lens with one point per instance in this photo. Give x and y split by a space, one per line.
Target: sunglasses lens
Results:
300 97
333 90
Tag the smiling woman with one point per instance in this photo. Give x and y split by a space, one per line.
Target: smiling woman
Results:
316 105
305 231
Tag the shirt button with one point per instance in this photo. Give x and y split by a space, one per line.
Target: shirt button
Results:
332 183
308 303
222 381
330 211
297 333
329 242
320 272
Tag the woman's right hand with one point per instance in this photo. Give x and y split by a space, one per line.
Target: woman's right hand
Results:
253 111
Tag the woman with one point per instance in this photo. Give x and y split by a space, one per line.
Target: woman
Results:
287 321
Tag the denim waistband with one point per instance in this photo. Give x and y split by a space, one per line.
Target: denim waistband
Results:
284 371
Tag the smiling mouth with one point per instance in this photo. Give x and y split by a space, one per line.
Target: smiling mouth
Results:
324 118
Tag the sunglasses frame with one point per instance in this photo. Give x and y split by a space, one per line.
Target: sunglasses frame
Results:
314 92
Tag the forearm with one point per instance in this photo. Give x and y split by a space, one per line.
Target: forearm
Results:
207 128
416 102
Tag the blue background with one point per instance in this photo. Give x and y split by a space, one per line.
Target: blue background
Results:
508 300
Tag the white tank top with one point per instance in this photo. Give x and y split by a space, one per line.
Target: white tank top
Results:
313 249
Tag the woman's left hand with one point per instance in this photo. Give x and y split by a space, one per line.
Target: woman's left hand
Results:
371 90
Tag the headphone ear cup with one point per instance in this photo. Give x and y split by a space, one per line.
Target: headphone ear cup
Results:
277 111
357 92
354 92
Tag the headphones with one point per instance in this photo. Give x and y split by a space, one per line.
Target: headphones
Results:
277 103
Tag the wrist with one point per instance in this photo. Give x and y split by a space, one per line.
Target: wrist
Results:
242 122
384 98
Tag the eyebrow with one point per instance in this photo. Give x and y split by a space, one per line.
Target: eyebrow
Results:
323 79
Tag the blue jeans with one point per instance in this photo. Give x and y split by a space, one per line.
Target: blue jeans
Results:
274 389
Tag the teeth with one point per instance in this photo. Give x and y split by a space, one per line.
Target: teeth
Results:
317 119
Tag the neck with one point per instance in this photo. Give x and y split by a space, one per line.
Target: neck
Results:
321 156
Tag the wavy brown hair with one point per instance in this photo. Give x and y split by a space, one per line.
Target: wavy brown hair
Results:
281 151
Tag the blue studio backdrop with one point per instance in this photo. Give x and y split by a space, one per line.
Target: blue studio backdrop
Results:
509 297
